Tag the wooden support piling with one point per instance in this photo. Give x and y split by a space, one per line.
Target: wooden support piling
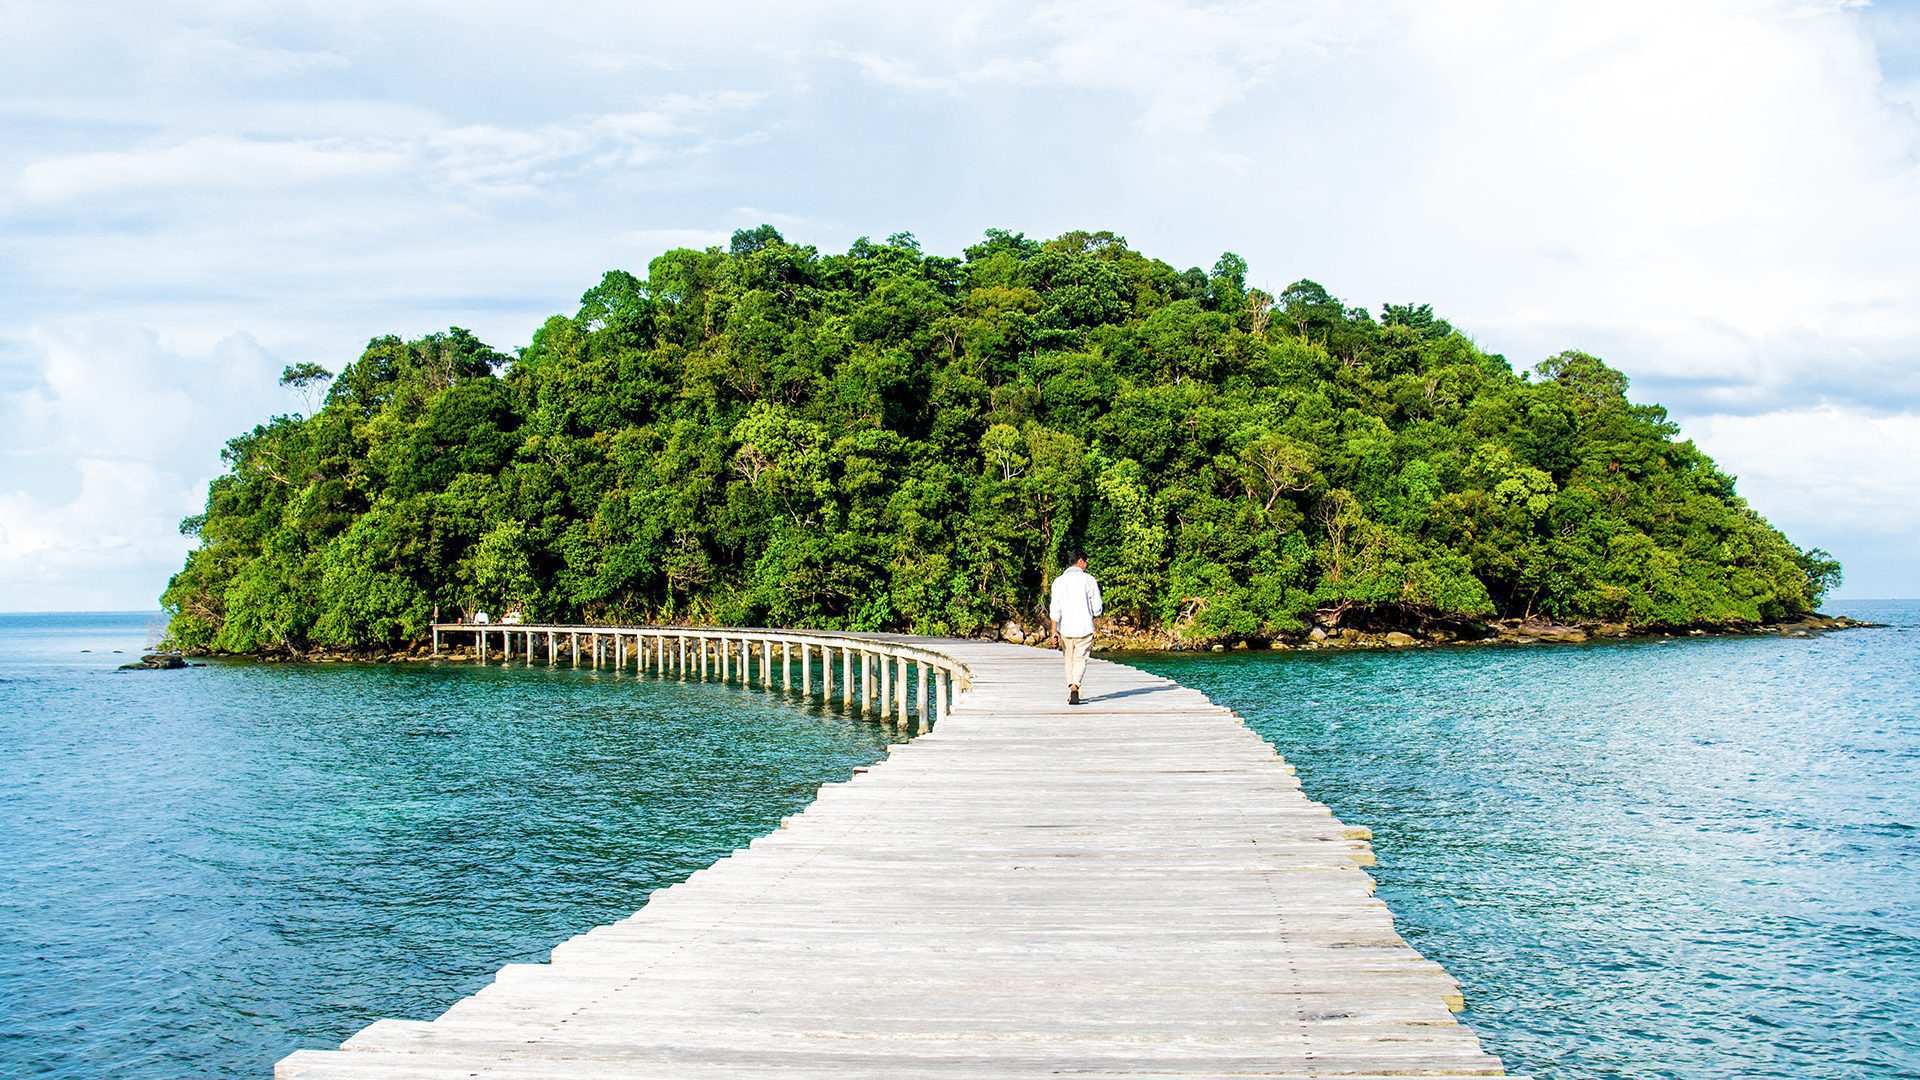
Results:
925 714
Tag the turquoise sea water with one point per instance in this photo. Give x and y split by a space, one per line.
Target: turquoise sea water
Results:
203 870
1689 859
1696 858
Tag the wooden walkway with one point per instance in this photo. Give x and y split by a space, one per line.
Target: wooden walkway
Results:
1133 887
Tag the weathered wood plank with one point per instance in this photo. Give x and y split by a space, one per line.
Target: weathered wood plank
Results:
1136 886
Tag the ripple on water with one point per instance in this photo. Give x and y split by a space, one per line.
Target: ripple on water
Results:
1639 859
206 870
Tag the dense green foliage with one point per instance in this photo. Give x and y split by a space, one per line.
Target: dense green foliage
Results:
891 440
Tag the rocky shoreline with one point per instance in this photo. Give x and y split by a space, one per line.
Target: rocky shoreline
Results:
1367 631
1370 632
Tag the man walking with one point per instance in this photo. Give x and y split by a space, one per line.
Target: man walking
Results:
1075 601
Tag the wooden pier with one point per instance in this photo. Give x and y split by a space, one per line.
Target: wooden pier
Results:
1135 886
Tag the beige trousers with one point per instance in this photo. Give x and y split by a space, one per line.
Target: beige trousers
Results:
1077 649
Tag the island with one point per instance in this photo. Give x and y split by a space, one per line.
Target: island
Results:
887 440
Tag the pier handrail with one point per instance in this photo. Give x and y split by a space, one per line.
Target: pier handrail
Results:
881 681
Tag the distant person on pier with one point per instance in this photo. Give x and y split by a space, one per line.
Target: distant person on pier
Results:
1074 603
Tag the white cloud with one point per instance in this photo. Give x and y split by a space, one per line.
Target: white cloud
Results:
107 451
197 52
1718 196
1840 478
203 163
472 158
1841 470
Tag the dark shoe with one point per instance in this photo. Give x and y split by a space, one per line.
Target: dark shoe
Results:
1073 695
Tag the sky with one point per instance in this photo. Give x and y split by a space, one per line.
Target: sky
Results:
1719 197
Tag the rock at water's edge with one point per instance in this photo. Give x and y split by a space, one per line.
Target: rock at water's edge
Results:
156 662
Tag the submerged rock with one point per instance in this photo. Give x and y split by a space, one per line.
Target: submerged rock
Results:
156 662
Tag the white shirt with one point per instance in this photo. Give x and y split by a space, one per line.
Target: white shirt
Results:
1076 600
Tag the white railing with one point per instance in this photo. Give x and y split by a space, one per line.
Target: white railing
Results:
873 677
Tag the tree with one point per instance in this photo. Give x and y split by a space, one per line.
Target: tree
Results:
891 439
309 379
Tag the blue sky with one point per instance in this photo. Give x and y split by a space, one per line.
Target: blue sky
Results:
1720 198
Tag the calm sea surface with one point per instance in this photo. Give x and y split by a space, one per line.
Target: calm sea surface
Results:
1692 859
1698 858
204 870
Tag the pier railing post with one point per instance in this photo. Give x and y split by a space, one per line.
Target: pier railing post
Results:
899 683
868 680
922 666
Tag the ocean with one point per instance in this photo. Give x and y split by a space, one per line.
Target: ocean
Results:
1688 858
204 870
1692 857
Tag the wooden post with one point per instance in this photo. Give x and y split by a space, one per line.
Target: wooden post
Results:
480 646
529 648
846 677
766 663
682 639
885 663
940 692
436 640
806 669
703 656
900 690
870 682
924 714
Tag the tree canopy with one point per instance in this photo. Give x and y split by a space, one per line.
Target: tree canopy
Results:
891 440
